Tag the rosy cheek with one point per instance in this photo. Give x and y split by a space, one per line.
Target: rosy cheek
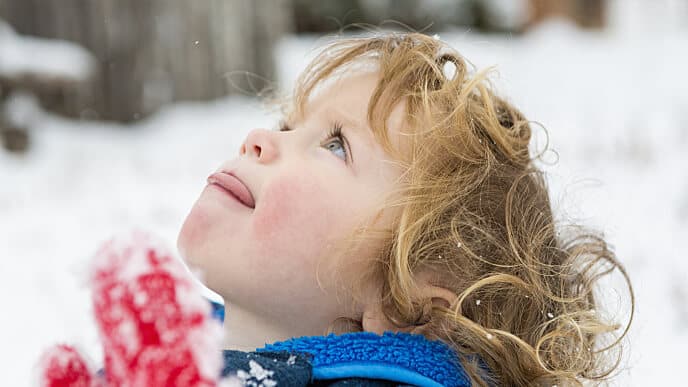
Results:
294 209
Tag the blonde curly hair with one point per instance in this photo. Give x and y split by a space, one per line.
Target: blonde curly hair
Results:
475 208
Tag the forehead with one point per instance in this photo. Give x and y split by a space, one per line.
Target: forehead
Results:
349 93
346 99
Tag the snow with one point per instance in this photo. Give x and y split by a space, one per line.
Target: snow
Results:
291 360
47 58
82 183
449 70
614 103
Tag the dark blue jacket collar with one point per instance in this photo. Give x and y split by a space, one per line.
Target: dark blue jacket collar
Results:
398 357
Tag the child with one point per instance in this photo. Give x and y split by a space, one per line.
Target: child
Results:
398 195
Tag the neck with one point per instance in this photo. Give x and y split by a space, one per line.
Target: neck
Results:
246 331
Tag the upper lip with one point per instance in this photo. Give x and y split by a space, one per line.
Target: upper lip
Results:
242 193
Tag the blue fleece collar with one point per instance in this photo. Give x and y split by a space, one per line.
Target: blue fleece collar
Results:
398 357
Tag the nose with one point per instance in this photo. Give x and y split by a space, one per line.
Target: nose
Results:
260 144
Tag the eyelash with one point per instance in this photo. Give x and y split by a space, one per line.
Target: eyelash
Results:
335 131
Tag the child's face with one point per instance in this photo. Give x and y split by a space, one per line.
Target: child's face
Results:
306 199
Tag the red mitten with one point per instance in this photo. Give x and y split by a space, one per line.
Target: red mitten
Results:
155 327
63 366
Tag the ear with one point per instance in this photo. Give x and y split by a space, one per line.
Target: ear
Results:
429 288
439 295
374 320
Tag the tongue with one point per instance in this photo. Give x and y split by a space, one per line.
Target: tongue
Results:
233 185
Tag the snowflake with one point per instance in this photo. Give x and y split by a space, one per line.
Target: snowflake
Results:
257 376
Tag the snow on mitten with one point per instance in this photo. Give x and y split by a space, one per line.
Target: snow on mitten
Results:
155 326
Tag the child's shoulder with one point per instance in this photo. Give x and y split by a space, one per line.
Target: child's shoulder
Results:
352 359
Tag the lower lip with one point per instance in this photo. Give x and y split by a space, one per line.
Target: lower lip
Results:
218 187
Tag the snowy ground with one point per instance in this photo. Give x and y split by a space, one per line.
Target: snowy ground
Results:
615 106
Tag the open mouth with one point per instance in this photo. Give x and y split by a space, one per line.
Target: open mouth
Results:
233 186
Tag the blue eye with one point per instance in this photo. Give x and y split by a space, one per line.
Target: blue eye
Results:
337 143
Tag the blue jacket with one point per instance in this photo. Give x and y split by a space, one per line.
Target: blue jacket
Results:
351 359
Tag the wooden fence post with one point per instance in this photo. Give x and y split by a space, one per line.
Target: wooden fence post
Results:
154 52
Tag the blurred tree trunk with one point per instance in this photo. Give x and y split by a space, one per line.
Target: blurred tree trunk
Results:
586 13
154 52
